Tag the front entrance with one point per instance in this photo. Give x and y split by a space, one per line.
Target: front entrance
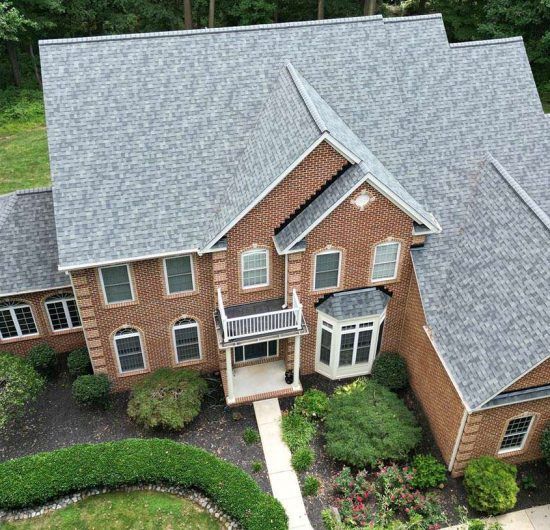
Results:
257 350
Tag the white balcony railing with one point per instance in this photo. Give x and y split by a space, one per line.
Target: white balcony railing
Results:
260 323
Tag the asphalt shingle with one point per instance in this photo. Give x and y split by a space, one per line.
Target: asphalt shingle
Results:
355 304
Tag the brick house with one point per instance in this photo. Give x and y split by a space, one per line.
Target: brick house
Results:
297 198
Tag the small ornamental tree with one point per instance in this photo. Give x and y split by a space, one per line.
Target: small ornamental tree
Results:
19 385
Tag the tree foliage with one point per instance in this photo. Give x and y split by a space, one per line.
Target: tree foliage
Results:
12 22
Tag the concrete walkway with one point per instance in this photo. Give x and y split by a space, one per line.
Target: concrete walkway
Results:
532 519
284 482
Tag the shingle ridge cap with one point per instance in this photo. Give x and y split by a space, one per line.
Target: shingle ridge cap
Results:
412 18
296 78
487 42
514 184
203 31
10 203
31 191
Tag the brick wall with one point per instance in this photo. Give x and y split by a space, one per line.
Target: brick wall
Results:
61 341
537 377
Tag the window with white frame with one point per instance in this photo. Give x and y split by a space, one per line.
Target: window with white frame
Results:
117 285
129 350
186 340
327 269
179 274
326 342
63 312
255 268
386 257
516 433
16 320
355 344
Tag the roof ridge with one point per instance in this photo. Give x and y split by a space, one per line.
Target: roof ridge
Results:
515 185
411 18
203 31
12 199
30 191
297 79
487 42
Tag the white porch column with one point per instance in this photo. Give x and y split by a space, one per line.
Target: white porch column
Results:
229 372
296 369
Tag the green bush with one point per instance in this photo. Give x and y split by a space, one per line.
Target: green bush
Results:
167 399
545 443
19 385
298 431
251 436
313 404
92 390
355 386
311 486
78 362
490 485
36 479
428 472
257 466
367 426
43 359
302 459
389 369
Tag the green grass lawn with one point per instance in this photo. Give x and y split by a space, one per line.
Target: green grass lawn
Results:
139 510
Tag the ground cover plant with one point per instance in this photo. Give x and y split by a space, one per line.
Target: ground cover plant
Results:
298 431
312 404
167 399
20 384
368 425
36 479
78 362
92 390
123 510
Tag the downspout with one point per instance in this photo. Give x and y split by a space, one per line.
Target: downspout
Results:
458 440
286 281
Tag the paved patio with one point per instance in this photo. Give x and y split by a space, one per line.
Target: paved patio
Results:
537 518
260 378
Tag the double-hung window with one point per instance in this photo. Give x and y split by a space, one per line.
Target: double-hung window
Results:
16 320
326 342
63 312
117 285
386 257
186 340
516 434
129 350
327 270
255 268
179 274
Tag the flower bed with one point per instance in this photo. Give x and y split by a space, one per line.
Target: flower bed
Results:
36 479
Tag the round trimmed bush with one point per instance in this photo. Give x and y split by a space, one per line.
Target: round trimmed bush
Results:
367 426
92 390
302 459
79 363
20 384
43 359
36 479
312 404
428 472
491 485
389 369
167 399
545 443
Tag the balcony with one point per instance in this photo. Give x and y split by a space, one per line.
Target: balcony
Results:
259 320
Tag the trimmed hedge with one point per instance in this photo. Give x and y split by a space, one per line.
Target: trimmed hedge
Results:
390 370
79 363
34 480
43 359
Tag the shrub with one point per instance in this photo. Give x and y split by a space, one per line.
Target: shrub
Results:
311 486
257 466
355 386
302 459
389 369
167 399
313 404
490 485
367 426
19 385
92 390
251 436
43 359
78 362
545 443
428 472
298 431
36 479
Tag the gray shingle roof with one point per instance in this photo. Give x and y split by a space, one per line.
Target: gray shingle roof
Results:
355 304
29 251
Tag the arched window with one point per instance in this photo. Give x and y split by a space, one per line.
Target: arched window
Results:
16 320
63 312
386 257
129 350
186 340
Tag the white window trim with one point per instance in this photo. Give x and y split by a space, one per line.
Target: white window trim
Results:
130 280
256 358
333 371
19 335
397 259
248 253
175 327
525 436
63 300
166 283
332 251
126 336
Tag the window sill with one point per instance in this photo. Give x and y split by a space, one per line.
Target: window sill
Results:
188 363
511 451
19 339
133 372
182 294
66 331
116 305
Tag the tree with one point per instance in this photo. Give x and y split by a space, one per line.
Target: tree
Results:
211 13
369 7
320 9
188 14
